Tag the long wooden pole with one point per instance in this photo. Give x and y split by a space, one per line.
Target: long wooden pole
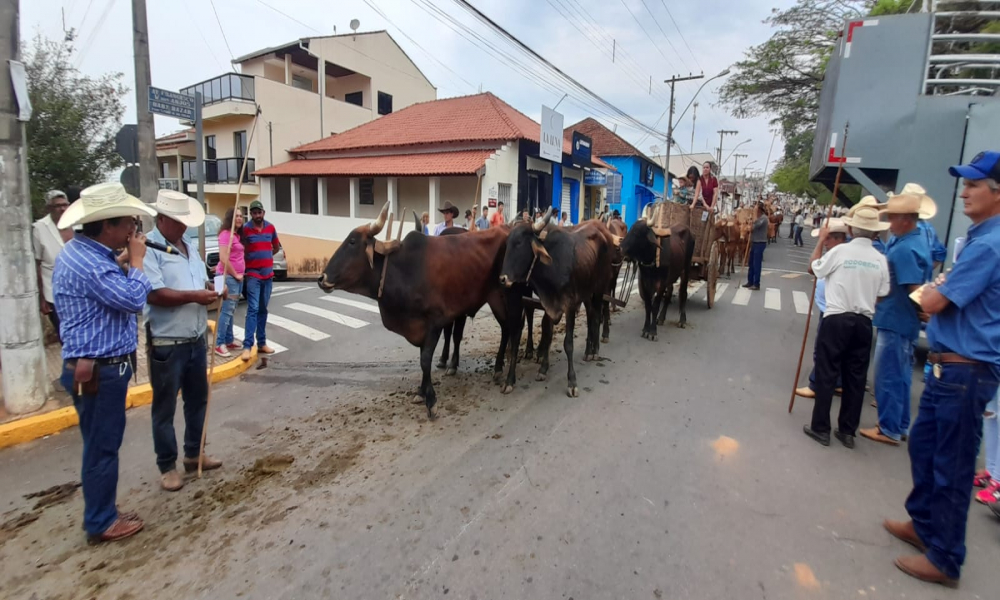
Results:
812 296
215 333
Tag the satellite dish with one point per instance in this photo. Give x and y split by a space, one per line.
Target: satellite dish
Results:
355 24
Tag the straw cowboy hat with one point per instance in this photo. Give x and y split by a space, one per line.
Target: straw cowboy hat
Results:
928 208
865 217
103 201
449 207
901 204
180 207
866 201
836 226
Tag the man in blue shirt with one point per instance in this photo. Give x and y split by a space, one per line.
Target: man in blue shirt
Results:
176 320
964 338
97 303
897 320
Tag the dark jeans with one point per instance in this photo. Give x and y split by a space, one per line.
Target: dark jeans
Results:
171 369
54 319
756 263
893 376
944 444
258 295
812 373
843 348
102 426
798 236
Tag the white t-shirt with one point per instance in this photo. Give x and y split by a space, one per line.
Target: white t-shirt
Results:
856 276
799 220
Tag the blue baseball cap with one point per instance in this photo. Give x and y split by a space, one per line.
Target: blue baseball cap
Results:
985 165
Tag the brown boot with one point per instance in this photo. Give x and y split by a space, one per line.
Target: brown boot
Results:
923 569
171 481
119 530
905 531
265 349
207 464
245 356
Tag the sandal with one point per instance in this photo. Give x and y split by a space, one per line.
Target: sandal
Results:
119 530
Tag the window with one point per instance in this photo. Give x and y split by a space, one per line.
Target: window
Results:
356 98
384 103
302 83
503 195
240 144
367 191
209 147
164 170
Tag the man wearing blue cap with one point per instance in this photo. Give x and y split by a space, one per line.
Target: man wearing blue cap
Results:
964 338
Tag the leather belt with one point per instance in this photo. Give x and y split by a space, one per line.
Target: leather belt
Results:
945 358
111 360
174 341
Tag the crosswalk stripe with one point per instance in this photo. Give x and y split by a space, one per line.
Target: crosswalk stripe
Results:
694 289
801 300
772 299
328 315
791 275
289 290
241 333
720 289
741 297
296 328
352 303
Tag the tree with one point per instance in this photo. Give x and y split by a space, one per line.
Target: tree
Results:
71 134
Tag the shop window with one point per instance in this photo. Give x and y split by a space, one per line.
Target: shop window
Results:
384 103
367 191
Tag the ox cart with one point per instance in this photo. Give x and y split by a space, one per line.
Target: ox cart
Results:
701 222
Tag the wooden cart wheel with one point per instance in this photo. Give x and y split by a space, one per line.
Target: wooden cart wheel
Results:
712 268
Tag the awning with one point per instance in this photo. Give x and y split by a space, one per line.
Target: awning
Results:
463 162
642 190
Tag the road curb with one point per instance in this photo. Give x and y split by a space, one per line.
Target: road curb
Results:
37 426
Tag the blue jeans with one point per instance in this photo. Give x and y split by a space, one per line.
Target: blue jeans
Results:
944 444
258 295
224 331
102 426
756 263
181 368
798 235
893 375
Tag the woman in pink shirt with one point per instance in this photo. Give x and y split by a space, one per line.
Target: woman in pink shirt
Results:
233 264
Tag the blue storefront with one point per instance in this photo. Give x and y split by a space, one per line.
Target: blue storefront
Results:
641 183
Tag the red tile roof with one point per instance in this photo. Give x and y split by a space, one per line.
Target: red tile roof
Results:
463 162
604 141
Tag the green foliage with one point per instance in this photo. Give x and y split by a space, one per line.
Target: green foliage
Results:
71 134
891 7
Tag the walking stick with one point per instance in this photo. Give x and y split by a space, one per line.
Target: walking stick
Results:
812 296
215 332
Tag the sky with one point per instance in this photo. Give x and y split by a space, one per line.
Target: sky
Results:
613 47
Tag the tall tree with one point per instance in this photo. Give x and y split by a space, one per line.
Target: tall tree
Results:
71 134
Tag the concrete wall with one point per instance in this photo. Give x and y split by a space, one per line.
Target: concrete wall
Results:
338 196
502 167
339 87
460 191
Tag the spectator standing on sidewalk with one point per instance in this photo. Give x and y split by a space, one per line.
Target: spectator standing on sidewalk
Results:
260 244
48 241
176 321
799 223
233 265
97 302
483 222
498 216
758 239
964 339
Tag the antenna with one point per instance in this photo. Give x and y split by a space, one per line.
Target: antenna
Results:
355 24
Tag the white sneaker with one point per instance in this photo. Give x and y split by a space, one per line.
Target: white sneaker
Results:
222 351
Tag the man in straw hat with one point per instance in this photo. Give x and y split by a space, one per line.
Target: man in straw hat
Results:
857 275
964 339
450 212
928 208
176 320
97 304
897 320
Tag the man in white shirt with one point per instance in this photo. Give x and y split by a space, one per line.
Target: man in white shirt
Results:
48 241
450 212
857 276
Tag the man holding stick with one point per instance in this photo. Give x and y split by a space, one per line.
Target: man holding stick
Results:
176 321
964 338
857 275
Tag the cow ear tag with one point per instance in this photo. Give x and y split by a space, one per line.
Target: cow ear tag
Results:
541 253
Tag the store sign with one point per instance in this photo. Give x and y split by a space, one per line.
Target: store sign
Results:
648 177
581 147
492 202
593 177
551 144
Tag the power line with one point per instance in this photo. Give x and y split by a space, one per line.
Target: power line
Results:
288 16
85 13
93 34
671 15
221 30
649 37
201 34
664 33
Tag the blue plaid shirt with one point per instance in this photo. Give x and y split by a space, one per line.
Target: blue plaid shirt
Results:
96 302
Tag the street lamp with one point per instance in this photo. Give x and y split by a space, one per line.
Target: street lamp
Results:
723 73
670 108
746 141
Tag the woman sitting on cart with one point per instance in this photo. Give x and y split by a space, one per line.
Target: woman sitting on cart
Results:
708 187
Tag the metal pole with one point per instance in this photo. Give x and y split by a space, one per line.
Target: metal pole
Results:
199 168
148 184
670 137
694 120
25 379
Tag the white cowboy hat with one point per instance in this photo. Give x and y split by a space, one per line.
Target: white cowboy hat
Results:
928 208
902 204
103 201
866 201
836 226
180 207
865 217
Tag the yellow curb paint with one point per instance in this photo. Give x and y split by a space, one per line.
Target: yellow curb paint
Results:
32 428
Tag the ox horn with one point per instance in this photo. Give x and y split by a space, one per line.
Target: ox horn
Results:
379 223
416 222
542 222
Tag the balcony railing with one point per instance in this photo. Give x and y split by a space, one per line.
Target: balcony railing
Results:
223 170
231 86
170 183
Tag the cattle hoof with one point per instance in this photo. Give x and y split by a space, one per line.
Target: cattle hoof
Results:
538 359
681 325
497 376
506 389
417 399
442 365
652 337
541 377
529 354
573 392
431 415
605 340
451 371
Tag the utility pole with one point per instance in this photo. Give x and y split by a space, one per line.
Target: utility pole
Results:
736 162
694 119
25 377
722 133
670 123
148 180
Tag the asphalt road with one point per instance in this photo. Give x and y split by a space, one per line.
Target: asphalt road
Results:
677 473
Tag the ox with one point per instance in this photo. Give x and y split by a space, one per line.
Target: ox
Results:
656 280
429 282
566 268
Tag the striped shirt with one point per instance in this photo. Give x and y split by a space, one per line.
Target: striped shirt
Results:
96 301
259 250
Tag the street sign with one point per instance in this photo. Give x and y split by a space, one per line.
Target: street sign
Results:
171 104
593 177
551 144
